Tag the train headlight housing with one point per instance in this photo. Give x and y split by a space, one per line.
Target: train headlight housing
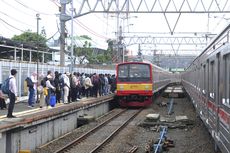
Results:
121 87
146 87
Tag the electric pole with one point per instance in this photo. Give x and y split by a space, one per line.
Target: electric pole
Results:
62 33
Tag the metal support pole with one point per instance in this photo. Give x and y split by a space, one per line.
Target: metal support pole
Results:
118 33
43 57
72 58
38 18
30 56
22 54
62 36
15 54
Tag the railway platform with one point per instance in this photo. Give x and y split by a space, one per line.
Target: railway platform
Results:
47 123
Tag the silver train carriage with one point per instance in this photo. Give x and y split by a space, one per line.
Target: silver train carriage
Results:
207 81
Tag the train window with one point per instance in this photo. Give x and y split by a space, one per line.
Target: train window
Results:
211 80
134 73
123 71
204 79
226 82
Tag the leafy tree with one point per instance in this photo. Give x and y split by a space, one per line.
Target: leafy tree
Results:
33 40
87 52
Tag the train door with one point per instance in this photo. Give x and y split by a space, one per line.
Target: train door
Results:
223 128
212 95
202 102
216 87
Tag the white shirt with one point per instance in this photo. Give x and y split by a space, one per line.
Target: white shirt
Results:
34 80
49 85
12 85
66 80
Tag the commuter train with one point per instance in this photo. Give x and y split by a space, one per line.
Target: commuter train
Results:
138 81
207 81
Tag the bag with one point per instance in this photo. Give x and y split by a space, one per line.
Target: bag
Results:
52 100
40 89
29 82
45 91
5 86
43 81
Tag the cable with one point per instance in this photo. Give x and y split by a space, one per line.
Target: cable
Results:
31 8
99 18
15 19
88 29
57 4
52 36
17 8
11 25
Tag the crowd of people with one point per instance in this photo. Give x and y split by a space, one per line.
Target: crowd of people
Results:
66 87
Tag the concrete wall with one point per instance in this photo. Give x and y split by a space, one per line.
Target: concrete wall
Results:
40 132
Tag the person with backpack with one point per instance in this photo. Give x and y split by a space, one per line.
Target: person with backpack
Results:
57 86
12 93
31 84
2 99
51 89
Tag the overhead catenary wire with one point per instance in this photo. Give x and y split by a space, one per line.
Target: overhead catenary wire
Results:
15 19
16 8
56 3
11 25
24 5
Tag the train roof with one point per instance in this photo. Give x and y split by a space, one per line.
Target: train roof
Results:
149 63
134 63
219 36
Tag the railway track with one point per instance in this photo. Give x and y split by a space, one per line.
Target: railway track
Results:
95 139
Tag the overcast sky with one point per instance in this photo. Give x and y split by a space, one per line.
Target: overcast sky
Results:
17 16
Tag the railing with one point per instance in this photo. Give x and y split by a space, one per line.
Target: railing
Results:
26 69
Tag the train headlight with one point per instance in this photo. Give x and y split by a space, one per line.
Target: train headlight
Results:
121 87
146 87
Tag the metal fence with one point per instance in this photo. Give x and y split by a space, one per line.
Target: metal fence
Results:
26 69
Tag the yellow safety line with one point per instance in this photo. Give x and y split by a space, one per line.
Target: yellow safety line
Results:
27 112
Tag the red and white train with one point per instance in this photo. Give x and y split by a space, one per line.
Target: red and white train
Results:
207 81
138 81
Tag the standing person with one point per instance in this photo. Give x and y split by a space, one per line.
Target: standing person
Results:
73 85
2 100
40 89
51 88
88 84
31 83
106 86
57 86
66 87
12 93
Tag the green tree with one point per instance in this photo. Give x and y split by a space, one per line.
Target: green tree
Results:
33 40
87 52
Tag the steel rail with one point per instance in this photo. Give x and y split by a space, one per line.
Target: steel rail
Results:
69 145
115 132
133 149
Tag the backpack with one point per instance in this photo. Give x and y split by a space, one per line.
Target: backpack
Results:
29 82
95 80
43 82
6 86
61 82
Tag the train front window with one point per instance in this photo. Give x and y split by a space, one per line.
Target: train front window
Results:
134 73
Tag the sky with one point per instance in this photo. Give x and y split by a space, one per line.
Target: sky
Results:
17 16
